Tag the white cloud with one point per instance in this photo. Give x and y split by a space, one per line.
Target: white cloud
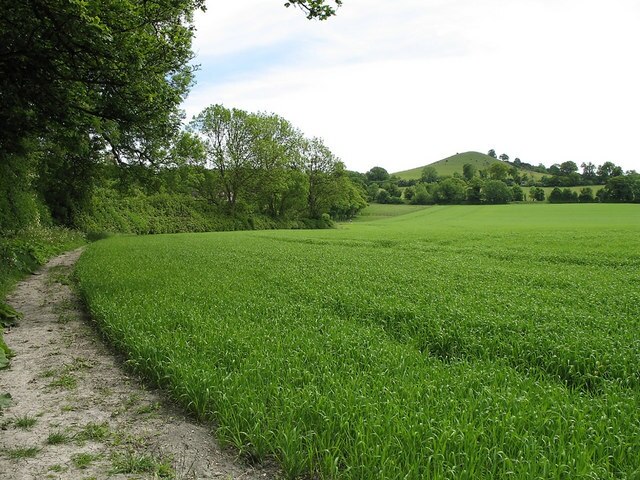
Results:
404 83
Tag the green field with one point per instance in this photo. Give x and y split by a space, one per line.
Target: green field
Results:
449 342
379 211
450 165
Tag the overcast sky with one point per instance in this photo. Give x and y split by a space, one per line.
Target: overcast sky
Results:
404 83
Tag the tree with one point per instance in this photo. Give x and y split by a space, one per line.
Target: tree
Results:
567 168
536 194
347 198
423 195
429 175
492 153
504 157
588 173
622 189
409 193
608 170
468 171
450 191
586 195
383 196
474 191
393 189
515 174
555 196
377 174
277 144
555 169
495 192
517 194
229 136
330 190
498 171
117 71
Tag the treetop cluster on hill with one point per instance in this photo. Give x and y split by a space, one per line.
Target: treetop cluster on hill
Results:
567 173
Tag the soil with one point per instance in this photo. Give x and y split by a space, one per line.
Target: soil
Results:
77 414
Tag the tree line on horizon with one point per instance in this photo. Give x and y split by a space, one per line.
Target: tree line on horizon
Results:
565 174
499 183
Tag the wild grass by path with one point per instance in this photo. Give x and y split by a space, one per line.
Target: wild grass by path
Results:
452 342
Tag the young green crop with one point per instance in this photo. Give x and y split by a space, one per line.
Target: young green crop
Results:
451 342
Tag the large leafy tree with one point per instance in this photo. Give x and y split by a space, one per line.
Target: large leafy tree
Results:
229 136
116 70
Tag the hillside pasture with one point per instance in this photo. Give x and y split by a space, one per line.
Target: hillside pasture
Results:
450 165
474 342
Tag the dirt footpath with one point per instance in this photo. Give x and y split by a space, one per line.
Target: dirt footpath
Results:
75 412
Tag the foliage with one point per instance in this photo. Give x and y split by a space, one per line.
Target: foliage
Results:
429 175
320 9
19 204
517 194
423 195
495 191
24 252
586 195
482 342
468 171
565 195
111 70
499 171
622 189
450 191
259 162
111 212
377 174
536 194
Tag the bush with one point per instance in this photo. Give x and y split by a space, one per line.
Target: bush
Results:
496 192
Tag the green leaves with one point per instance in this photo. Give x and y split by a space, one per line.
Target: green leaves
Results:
8 315
319 9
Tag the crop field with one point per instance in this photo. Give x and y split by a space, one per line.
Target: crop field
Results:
463 342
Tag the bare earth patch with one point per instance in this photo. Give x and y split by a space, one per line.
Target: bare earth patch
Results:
76 414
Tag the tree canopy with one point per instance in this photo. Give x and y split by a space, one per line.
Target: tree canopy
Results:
115 71
82 81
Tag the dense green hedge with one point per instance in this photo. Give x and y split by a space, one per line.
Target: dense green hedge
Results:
109 211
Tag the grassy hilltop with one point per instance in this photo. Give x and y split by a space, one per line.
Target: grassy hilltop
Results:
450 165
447 342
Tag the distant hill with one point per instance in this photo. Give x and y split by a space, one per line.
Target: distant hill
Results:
450 165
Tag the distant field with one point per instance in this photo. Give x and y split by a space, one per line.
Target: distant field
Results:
475 342
377 211
449 166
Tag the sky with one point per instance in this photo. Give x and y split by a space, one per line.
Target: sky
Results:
404 83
